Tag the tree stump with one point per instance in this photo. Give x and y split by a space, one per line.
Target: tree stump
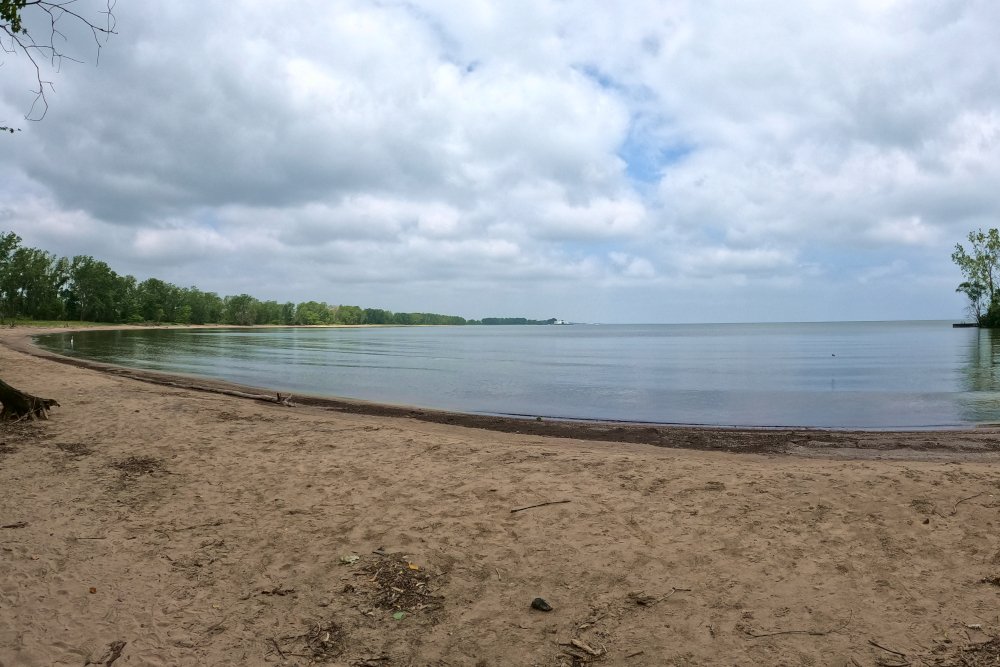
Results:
19 405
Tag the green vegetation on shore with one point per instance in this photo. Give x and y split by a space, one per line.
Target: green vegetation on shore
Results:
980 266
38 285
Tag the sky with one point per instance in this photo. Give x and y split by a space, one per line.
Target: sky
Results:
643 161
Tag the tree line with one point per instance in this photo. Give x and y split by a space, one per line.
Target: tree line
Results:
38 285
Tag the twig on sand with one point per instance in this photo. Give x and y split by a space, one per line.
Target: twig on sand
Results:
633 655
672 591
644 600
529 507
217 522
111 653
586 648
215 626
954 510
814 633
887 650
18 524
277 648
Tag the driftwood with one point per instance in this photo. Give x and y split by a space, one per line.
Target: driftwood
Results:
19 405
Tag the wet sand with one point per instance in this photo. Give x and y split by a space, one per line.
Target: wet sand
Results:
204 528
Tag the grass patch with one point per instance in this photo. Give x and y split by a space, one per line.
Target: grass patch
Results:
68 324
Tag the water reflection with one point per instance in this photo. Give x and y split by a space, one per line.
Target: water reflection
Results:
861 374
982 372
981 378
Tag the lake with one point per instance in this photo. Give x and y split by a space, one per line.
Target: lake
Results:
872 375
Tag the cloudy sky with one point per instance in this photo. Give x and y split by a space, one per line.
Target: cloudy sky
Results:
644 161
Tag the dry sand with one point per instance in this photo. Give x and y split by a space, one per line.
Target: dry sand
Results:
172 526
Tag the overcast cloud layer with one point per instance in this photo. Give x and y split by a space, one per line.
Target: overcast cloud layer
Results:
658 161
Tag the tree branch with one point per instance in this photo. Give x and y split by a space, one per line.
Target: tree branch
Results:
17 39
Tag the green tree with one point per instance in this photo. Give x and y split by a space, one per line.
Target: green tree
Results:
313 312
91 291
980 266
158 300
350 315
32 283
377 316
241 309
268 312
206 307
288 313
9 242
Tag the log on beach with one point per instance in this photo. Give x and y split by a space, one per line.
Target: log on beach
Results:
20 405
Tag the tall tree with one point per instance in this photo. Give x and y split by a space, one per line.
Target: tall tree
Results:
980 266
241 309
92 290
9 242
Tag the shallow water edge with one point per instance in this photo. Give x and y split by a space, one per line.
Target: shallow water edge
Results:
978 443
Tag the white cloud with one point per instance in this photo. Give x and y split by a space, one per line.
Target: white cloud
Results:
573 147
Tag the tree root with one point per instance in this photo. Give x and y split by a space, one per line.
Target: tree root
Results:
18 405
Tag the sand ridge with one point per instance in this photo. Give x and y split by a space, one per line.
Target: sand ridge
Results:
215 530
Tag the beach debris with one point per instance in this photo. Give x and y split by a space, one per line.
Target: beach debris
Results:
93 589
586 648
399 616
138 465
322 642
888 650
278 590
350 559
640 598
529 507
17 405
6 449
111 653
978 653
954 510
993 581
815 633
16 524
541 605
75 449
394 583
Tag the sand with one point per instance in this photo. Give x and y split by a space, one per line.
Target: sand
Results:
146 524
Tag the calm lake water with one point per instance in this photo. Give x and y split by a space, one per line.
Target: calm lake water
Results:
876 375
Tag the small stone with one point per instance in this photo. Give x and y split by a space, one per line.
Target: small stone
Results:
540 605
927 521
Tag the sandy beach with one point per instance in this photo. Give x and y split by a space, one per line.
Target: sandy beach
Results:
166 524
